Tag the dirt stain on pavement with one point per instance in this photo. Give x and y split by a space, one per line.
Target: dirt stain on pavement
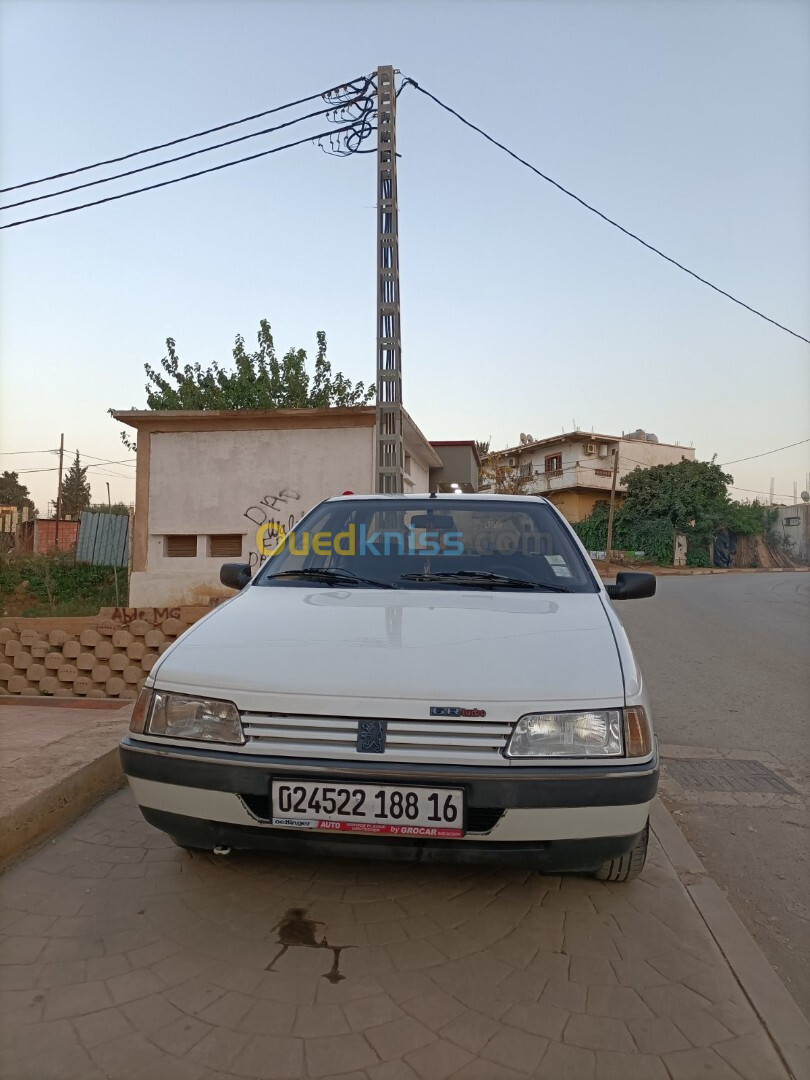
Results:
296 931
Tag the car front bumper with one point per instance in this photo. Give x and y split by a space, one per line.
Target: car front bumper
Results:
558 818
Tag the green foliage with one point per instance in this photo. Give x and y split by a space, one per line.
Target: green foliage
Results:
75 489
104 508
13 493
259 380
654 536
53 584
689 497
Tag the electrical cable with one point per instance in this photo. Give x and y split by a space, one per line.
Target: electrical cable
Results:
765 453
185 138
179 157
178 179
610 221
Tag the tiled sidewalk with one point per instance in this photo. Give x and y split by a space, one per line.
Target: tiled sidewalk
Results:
127 958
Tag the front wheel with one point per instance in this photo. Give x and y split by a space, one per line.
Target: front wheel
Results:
628 866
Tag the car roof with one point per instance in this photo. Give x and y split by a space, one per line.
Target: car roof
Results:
476 496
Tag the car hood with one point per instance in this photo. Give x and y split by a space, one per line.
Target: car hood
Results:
370 651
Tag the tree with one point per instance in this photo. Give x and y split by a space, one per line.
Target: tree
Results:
75 489
259 380
118 508
13 493
684 493
498 476
482 446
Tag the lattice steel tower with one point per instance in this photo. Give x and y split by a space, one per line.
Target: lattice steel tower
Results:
390 451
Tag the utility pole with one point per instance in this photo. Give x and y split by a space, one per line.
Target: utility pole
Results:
59 491
115 568
612 507
390 451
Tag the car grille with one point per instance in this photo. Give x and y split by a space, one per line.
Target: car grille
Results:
430 741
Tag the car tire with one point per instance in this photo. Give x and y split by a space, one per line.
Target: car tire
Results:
628 866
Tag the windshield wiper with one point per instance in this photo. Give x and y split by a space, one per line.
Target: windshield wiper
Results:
331 575
483 578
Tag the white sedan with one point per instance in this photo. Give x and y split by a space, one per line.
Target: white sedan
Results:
417 677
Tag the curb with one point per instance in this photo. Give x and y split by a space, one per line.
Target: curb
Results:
59 805
788 1028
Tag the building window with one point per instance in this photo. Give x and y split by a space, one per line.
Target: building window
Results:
554 463
526 469
792 521
181 546
225 544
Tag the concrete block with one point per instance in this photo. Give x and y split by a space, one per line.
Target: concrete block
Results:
136 650
130 692
63 691
57 638
139 628
49 685
100 673
121 638
154 638
172 627
67 673
6 634
148 661
89 637
118 662
107 627
86 661
53 661
28 637
104 649
114 687
132 674
7 671
40 648
22 660
71 649
36 673
17 683
12 647
96 692
162 648
29 691
82 684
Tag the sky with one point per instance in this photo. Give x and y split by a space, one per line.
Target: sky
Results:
687 122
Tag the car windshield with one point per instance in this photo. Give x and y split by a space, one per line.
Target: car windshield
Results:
428 544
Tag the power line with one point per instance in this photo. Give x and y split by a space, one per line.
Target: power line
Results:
610 221
178 179
765 453
180 157
184 138
12 453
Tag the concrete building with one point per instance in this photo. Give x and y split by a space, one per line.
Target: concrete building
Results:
39 535
208 481
574 470
793 524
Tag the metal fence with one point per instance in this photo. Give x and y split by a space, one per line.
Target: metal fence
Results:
103 539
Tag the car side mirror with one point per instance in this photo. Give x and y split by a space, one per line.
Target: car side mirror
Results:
632 586
235 575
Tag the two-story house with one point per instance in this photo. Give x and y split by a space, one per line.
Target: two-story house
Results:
575 470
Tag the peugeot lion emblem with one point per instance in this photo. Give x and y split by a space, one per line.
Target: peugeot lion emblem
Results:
371 736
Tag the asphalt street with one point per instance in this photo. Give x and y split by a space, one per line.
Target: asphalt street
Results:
726 662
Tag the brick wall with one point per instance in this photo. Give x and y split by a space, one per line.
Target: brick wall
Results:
104 656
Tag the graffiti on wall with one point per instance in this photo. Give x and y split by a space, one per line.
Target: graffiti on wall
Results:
273 512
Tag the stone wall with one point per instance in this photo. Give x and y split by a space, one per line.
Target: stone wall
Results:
107 655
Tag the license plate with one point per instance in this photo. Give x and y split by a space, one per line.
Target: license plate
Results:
387 809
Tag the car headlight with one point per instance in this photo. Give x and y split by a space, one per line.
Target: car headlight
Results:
595 733
178 716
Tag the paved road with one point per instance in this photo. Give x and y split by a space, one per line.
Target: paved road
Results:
125 958
726 658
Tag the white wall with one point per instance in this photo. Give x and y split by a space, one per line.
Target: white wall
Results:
214 482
